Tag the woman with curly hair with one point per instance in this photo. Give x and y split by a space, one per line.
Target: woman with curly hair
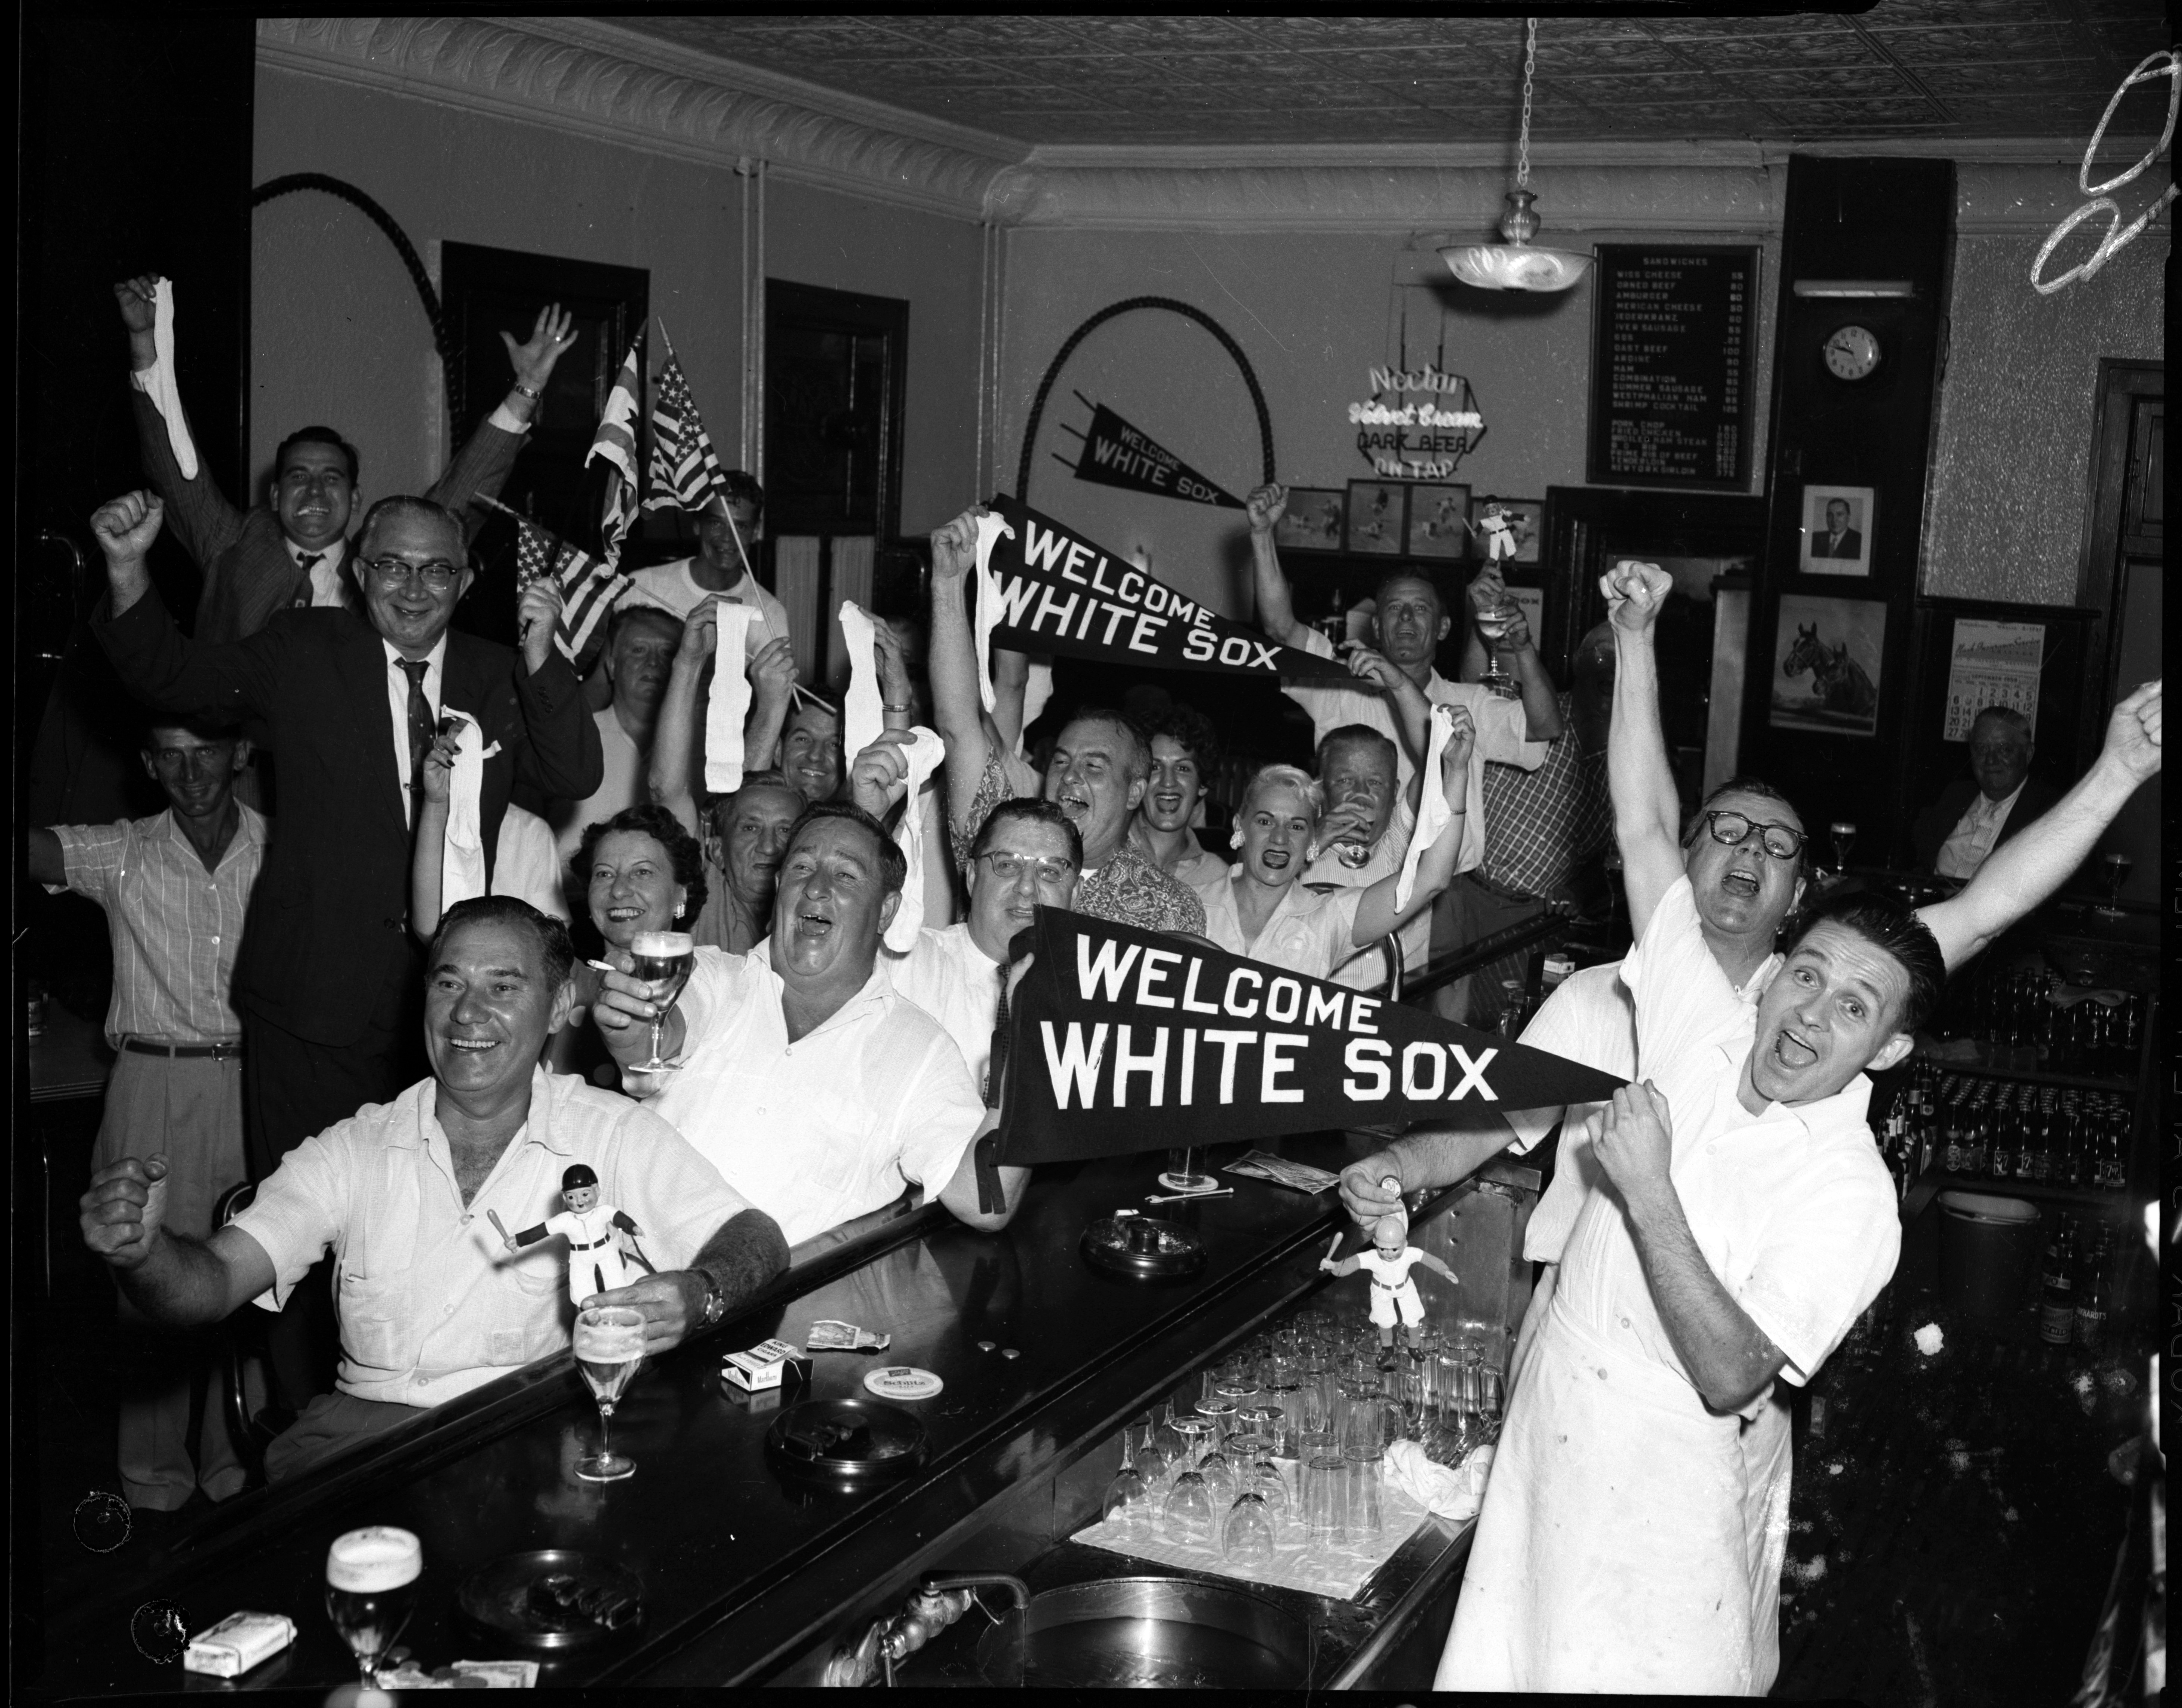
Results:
638 871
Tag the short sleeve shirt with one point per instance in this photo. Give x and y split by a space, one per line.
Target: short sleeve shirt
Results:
1791 1209
672 587
1309 931
1384 861
832 1125
430 1303
1500 723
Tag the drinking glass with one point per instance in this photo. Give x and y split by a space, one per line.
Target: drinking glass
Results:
2113 871
1366 1517
1247 1538
1492 623
1488 1402
609 1346
663 961
1843 834
1127 1493
1218 1470
1189 1512
1272 1489
1183 1176
1264 1422
1220 1414
371 1590
1168 1441
1325 1498
1194 1432
1152 1462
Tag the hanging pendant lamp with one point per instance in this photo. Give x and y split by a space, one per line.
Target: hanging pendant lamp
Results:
1516 264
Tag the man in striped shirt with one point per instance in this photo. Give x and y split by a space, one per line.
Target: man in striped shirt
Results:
174 888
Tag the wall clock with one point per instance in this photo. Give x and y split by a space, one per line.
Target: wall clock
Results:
1852 353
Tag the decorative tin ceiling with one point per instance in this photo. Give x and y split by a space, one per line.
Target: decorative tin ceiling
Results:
1901 70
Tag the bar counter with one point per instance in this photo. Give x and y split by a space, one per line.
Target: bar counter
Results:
748 1579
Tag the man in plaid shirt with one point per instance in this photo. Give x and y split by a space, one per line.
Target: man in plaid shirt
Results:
1542 827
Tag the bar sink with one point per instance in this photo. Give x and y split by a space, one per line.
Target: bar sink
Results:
1148 1632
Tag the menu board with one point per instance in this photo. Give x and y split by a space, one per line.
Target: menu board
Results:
1671 367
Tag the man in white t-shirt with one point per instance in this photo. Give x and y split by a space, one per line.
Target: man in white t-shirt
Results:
805 1078
721 568
641 642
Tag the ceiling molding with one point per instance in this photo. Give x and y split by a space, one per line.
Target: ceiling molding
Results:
563 73
589 77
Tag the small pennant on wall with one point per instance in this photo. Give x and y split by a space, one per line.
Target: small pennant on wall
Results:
1117 454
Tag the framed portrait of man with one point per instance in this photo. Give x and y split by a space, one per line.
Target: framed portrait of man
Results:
1837 537
1439 520
1378 516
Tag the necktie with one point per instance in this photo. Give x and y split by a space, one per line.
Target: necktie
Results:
420 719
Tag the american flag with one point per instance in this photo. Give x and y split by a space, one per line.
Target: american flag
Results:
682 466
588 588
616 444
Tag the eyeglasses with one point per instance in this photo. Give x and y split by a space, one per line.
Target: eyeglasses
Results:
1009 868
1781 841
438 575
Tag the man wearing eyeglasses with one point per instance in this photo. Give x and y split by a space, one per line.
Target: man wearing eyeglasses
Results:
351 702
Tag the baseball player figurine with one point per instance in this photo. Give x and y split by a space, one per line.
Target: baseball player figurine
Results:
1390 1261
601 1239
1500 534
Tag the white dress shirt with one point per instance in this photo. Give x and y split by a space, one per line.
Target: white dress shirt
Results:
957 983
1974 833
397 697
325 565
832 1125
431 1304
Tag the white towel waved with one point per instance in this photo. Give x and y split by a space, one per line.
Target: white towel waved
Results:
863 711
990 529
1433 815
159 379
924 752
728 703
462 865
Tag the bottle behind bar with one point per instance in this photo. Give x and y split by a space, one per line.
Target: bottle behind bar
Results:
2001 1165
2057 1307
2091 1294
1951 1157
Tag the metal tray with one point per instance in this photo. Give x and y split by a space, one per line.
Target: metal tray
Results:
496 1597
845 1443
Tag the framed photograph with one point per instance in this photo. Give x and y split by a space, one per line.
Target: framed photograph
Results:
1826 660
1526 522
1836 526
1312 520
1378 516
1439 521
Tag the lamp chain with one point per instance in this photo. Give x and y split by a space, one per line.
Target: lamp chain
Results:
1530 66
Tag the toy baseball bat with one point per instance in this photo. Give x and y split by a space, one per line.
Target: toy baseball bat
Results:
503 1232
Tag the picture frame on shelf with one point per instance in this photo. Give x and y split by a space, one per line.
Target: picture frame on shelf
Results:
1439 520
1526 521
1827 657
1313 519
1378 517
1837 531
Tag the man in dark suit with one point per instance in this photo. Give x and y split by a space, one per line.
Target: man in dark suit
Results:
324 977
1839 539
1974 815
293 549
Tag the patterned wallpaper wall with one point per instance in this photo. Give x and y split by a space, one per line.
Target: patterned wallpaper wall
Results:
2005 516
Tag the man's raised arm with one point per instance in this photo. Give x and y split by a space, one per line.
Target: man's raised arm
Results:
956 706
2021 872
1276 605
1646 807
481 467
203 519
170 1278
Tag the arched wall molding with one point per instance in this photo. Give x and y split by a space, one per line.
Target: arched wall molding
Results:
590 77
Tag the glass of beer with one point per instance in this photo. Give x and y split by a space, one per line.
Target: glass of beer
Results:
1492 622
663 962
371 1590
609 1346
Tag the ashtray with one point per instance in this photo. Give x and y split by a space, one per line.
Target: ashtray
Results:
1144 1248
845 1443
553 1598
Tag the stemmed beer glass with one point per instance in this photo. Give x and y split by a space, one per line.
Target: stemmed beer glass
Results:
664 960
609 1347
371 1590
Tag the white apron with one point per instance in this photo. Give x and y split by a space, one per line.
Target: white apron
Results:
1613 1552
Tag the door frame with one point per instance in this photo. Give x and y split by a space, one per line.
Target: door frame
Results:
2099 570
890 315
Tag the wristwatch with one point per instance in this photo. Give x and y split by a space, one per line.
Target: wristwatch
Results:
716 1301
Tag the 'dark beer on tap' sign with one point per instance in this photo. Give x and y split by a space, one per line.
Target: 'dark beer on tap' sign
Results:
1121 1041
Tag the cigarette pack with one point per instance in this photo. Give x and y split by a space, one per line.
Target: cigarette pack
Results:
237 1643
769 1364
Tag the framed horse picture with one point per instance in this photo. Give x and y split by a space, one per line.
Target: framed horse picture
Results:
1827 658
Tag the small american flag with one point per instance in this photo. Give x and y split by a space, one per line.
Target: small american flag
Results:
616 444
588 588
682 466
